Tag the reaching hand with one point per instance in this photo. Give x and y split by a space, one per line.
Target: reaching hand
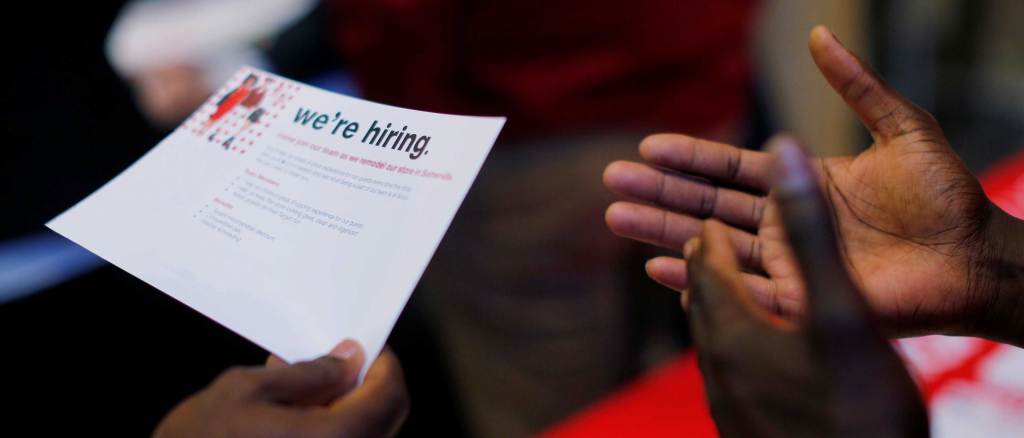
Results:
310 399
166 95
834 374
914 227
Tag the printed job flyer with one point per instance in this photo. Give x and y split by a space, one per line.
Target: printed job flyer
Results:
294 216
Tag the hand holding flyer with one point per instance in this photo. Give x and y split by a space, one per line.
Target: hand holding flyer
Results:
294 216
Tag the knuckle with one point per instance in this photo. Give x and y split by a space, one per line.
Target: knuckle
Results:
757 210
326 369
237 381
734 159
912 120
708 202
919 114
855 87
754 255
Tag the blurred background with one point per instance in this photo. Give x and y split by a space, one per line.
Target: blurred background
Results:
488 350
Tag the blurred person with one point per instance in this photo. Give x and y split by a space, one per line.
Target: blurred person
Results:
773 283
68 126
580 83
174 52
319 398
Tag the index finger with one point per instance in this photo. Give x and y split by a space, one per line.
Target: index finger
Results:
852 351
718 162
717 289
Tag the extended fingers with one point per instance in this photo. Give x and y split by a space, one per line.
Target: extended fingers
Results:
693 196
671 272
671 230
718 162
716 286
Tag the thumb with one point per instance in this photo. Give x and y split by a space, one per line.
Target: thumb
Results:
316 382
884 112
869 384
833 301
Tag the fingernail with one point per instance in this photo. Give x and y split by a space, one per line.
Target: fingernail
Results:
792 173
345 350
690 247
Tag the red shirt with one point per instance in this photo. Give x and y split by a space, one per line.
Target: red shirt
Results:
254 98
555 65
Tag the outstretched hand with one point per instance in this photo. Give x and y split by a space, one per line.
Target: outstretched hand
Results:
913 224
832 374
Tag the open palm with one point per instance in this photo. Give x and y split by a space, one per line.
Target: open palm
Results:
910 217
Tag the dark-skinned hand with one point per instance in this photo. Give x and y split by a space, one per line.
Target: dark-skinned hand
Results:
318 398
831 374
914 227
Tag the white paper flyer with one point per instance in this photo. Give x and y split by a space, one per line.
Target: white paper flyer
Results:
294 216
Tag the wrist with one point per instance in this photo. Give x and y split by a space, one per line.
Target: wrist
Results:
998 280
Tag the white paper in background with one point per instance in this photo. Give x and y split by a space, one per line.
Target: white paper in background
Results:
267 213
215 36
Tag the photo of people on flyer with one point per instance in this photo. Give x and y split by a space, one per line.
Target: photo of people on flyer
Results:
241 111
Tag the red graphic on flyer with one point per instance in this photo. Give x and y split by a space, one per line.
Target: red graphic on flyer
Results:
236 116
